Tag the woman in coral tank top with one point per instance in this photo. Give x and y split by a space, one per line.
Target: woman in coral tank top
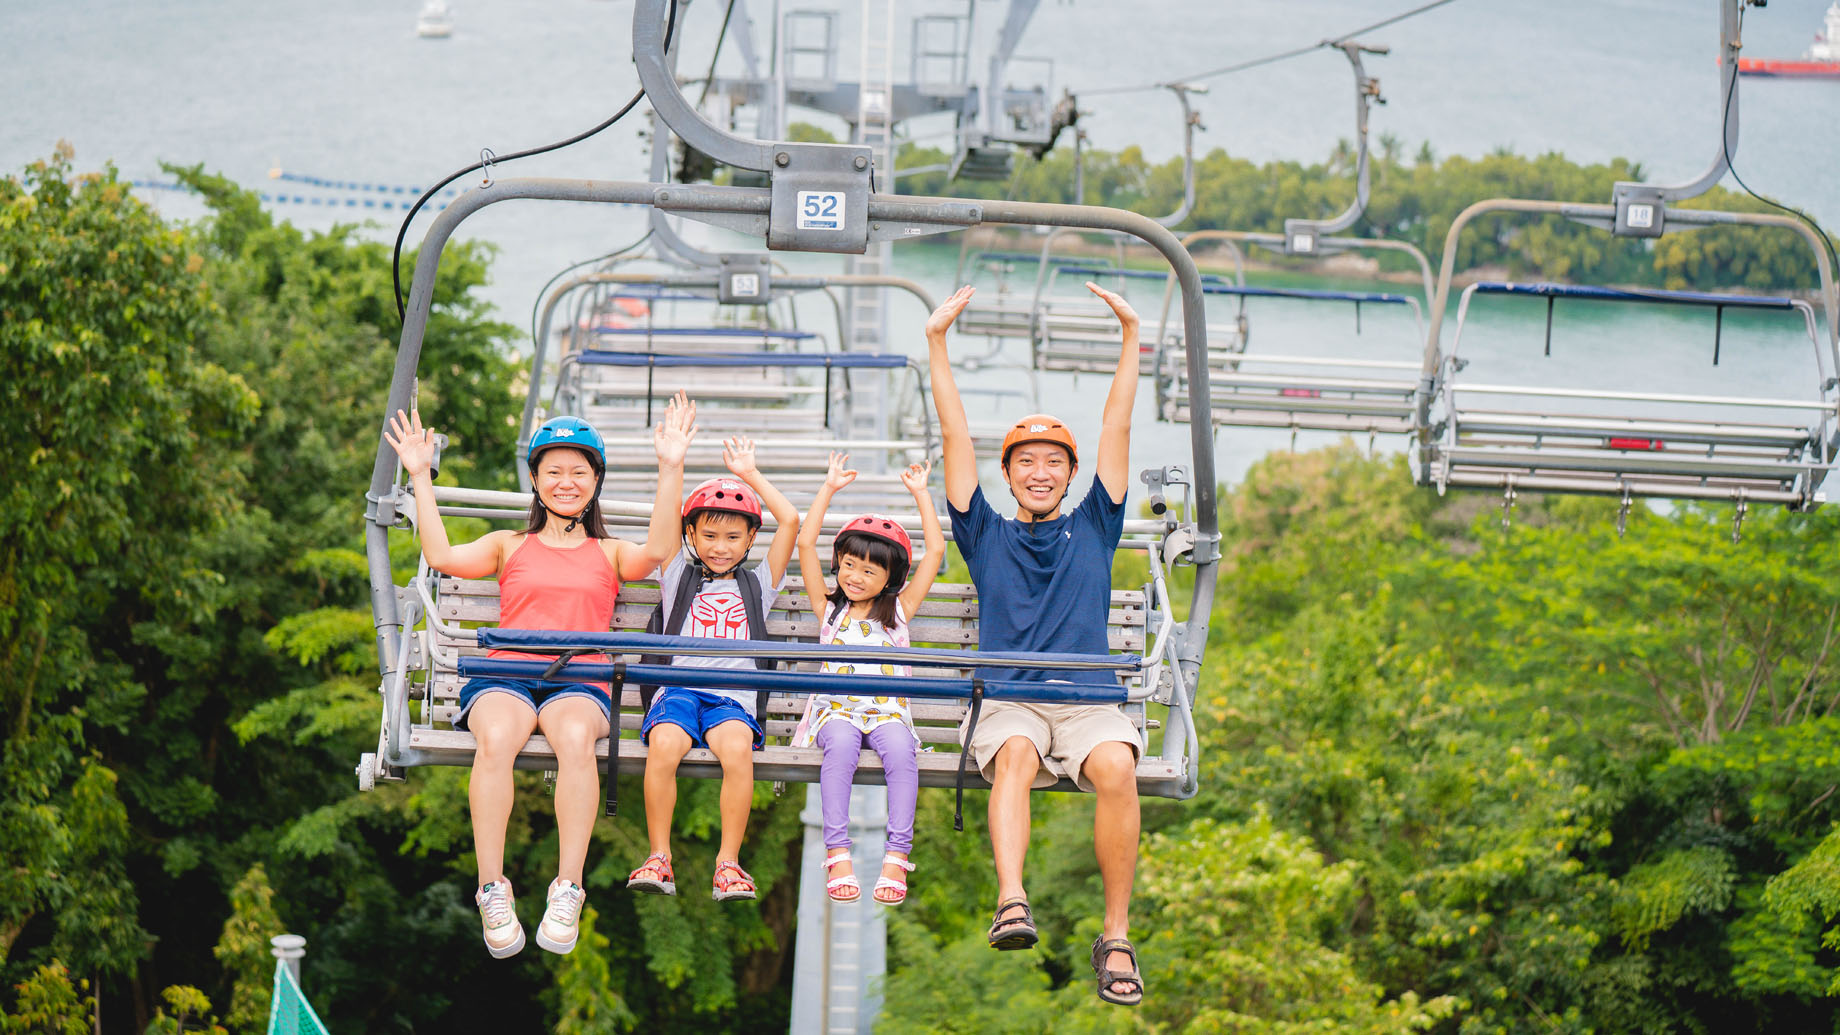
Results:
561 572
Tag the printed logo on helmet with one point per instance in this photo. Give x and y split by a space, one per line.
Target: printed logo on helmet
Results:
563 432
1037 428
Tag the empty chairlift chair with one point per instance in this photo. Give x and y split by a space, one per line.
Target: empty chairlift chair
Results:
1604 420
1277 381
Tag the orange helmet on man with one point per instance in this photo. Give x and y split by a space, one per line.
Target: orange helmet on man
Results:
1039 427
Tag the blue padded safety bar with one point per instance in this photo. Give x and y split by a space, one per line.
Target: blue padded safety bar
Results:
1113 271
1058 260
1324 296
1603 294
710 332
868 685
601 358
652 643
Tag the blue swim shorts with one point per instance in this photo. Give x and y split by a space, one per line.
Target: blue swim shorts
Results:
696 712
538 693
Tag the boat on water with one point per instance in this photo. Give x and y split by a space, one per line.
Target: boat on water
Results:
1822 61
434 22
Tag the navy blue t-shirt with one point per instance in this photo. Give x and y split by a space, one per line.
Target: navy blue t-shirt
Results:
1044 586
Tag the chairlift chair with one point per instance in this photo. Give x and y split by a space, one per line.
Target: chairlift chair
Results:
424 625
1577 434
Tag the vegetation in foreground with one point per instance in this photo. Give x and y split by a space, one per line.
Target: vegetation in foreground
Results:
1455 779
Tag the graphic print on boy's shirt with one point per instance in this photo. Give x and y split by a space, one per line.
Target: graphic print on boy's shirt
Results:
719 613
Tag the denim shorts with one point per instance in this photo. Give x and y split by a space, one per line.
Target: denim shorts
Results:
538 693
696 712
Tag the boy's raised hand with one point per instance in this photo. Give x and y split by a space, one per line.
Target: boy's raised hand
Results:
413 443
941 320
671 436
839 476
915 477
738 454
1127 317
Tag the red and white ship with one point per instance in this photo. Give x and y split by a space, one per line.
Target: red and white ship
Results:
1821 62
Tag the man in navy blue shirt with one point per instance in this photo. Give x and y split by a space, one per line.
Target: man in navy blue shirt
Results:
1044 580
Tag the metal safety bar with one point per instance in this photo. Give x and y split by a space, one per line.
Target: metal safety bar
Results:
959 688
544 640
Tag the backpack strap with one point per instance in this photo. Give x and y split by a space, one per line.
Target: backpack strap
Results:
749 585
668 618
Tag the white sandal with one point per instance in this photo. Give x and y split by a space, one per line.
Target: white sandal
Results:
889 883
836 884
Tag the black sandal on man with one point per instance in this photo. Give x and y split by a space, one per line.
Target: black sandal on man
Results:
1102 951
1014 932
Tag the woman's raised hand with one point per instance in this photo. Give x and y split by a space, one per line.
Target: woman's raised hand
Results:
413 443
671 437
839 476
941 320
738 454
915 477
1127 316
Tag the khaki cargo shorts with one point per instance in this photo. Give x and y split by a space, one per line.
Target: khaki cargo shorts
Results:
1066 733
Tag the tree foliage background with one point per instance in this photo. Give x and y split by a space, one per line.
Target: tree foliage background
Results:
1456 779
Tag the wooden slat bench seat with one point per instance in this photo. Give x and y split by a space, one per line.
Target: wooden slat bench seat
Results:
947 619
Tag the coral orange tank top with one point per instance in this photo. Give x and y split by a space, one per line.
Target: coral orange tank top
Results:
569 589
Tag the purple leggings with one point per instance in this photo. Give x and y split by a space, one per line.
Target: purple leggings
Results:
842 744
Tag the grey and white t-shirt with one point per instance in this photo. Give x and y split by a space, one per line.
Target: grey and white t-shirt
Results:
717 612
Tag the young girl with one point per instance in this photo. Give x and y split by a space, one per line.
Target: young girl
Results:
871 557
560 572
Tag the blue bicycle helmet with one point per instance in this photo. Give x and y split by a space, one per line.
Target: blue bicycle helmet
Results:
572 432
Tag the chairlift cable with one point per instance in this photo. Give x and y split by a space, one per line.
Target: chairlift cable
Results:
403 230
721 34
616 253
1725 145
1242 66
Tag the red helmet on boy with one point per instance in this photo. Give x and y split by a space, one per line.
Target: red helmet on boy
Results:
729 495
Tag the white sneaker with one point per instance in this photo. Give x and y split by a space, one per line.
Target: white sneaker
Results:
560 926
498 911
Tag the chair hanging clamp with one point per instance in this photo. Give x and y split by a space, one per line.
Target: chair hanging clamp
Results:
1737 515
1622 513
486 158
1508 497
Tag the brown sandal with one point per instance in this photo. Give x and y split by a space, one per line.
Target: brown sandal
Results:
1017 932
1102 950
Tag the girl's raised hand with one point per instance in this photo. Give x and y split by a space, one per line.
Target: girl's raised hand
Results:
1127 316
671 437
738 454
839 476
915 477
941 320
413 443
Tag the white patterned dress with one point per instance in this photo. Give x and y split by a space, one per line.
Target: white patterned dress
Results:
865 713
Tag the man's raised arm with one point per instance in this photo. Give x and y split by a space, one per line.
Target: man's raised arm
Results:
954 429
1114 470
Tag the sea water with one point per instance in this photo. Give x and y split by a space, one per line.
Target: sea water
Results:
343 89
